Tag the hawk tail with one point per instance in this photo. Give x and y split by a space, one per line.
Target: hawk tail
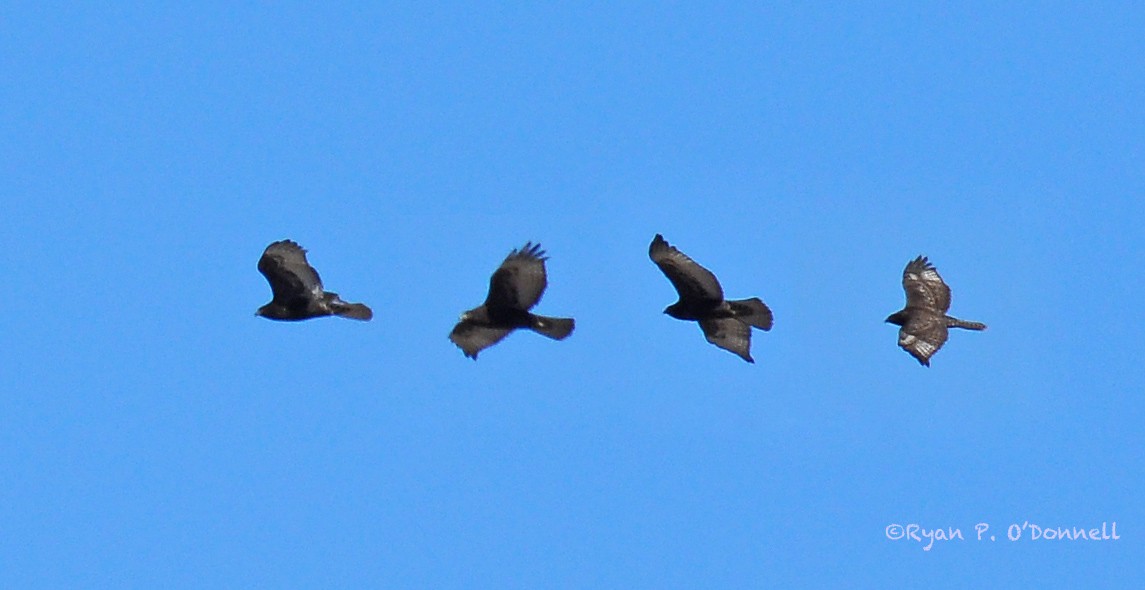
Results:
555 328
957 323
356 311
752 312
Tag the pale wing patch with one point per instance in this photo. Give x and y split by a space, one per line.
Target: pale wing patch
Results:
917 346
731 339
925 348
729 334
472 339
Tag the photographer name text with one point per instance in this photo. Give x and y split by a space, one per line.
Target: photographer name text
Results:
1015 532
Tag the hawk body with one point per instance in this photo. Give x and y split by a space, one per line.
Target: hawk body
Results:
726 324
297 289
515 287
924 323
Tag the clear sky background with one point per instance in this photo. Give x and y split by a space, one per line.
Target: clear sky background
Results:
155 434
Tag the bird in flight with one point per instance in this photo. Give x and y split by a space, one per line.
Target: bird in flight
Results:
923 321
727 324
297 289
513 290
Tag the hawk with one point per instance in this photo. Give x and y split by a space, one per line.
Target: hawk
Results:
924 321
727 324
513 290
297 289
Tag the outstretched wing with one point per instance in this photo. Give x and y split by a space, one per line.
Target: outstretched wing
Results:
693 282
922 336
729 334
924 288
520 281
290 276
473 338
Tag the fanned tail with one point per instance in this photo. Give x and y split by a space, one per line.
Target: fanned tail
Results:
752 312
957 323
555 328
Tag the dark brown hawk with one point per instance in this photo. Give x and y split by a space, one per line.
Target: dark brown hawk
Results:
924 321
513 290
727 324
297 289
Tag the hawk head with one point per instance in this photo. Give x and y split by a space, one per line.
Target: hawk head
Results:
898 318
676 310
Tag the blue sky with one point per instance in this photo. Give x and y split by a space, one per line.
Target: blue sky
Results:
154 433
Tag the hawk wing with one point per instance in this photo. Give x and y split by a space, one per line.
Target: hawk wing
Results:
520 281
693 282
290 276
922 336
729 334
473 338
924 288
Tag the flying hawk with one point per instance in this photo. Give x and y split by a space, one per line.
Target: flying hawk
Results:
924 321
298 293
513 290
727 324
